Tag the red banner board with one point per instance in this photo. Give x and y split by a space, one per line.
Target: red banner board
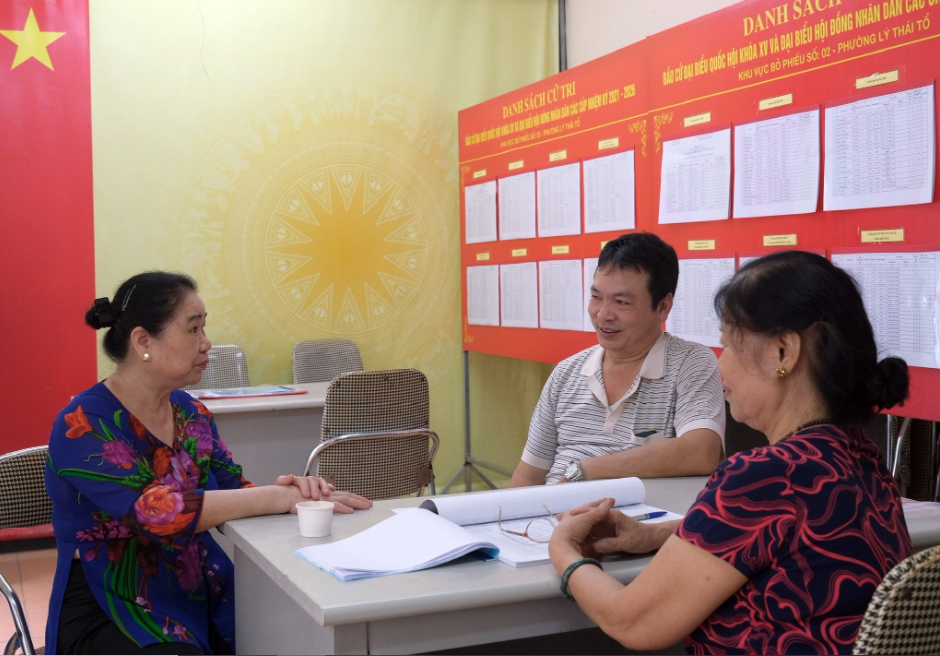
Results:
47 272
755 60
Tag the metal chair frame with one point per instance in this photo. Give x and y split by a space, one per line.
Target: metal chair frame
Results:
355 437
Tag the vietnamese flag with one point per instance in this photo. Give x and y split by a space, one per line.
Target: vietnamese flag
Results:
47 264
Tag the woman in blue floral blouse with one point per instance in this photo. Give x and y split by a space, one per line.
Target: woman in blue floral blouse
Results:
137 474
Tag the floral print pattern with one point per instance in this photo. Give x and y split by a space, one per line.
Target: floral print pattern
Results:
129 504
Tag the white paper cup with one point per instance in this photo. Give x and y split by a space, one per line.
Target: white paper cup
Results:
316 518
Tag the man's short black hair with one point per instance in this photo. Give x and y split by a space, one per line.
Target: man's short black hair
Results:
643 252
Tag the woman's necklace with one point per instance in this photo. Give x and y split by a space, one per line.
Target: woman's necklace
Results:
810 424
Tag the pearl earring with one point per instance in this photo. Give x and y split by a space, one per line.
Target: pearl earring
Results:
146 357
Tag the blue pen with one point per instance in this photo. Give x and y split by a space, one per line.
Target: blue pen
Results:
652 515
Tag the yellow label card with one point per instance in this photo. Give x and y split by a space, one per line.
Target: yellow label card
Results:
698 119
603 243
518 164
880 236
604 144
482 257
776 101
479 174
519 252
779 240
558 155
876 79
559 250
701 244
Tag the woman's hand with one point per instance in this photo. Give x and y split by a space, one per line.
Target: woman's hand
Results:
318 489
310 487
571 538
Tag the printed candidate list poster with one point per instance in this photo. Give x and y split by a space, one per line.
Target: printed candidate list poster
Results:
590 268
519 291
559 200
900 293
483 295
695 184
480 212
693 314
517 206
560 303
776 166
609 191
880 151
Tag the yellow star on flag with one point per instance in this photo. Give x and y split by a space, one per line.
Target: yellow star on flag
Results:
31 42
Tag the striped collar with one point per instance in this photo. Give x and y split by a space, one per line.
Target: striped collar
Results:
654 366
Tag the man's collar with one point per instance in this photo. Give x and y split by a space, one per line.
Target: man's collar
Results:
654 365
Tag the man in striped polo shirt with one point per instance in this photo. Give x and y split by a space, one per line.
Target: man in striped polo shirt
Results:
640 403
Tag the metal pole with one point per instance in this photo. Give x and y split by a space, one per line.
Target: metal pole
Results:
467 478
562 38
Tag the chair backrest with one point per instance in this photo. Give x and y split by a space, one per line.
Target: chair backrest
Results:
227 368
391 400
23 503
23 498
322 360
904 614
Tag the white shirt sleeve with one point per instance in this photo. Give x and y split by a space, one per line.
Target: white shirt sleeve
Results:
699 398
542 444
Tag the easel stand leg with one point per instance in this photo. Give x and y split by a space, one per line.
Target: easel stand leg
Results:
470 463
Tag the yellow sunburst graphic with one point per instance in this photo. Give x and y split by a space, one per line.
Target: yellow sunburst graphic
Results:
323 212
346 249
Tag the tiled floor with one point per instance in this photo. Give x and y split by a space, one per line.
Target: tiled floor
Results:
30 573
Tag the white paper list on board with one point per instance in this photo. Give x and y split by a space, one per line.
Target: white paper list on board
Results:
483 295
559 200
900 292
560 303
517 206
776 166
695 180
881 151
609 192
590 267
480 212
519 291
693 314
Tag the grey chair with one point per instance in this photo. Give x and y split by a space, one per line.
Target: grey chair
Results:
375 439
322 360
227 368
23 503
903 616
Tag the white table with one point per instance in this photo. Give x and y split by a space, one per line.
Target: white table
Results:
271 435
285 605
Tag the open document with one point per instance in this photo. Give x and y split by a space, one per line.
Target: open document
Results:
447 527
245 392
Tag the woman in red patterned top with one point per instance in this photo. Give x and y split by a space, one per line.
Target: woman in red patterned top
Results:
784 547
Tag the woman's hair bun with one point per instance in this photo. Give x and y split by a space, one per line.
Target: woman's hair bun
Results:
889 383
100 315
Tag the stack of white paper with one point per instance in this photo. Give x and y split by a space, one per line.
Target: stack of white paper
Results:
404 543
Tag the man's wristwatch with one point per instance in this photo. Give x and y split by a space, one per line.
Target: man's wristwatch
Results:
573 471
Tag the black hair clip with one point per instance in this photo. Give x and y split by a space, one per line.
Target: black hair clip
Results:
103 312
